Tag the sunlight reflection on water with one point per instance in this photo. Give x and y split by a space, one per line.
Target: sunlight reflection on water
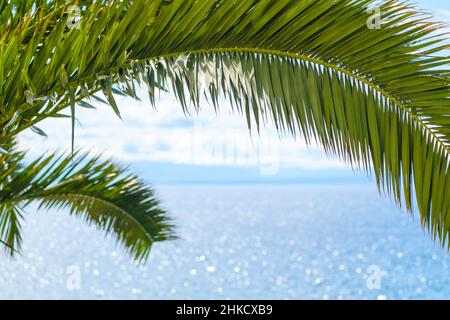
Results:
240 242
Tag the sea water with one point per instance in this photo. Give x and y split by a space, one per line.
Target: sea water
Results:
239 242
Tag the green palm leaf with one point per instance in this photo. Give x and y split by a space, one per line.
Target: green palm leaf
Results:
378 98
99 191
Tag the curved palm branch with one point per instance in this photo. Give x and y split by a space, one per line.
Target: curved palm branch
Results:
378 98
99 191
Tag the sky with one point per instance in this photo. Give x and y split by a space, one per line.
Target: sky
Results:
169 147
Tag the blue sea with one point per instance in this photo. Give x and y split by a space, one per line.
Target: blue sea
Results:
240 242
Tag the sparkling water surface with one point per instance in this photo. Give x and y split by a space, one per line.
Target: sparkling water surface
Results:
240 242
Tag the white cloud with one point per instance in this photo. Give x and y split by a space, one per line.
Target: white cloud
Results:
443 15
166 135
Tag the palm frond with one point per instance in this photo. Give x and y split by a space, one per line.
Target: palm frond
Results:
378 98
10 227
98 191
